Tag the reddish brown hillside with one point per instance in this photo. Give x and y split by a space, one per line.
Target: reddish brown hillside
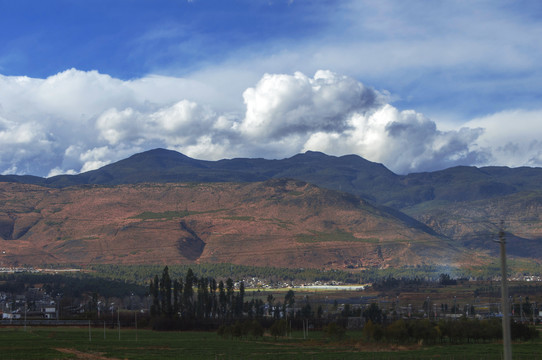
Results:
277 223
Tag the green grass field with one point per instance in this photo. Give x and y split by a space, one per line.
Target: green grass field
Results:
74 343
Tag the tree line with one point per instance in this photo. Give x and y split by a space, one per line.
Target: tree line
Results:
202 302
449 331
195 301
68 285
143 273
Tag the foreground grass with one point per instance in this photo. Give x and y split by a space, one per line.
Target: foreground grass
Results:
74 343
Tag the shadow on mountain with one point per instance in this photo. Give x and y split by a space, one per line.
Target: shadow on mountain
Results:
190 246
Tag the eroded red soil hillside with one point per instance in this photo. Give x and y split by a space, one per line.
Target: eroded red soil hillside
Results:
275 223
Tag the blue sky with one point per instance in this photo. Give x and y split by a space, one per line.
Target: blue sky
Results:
129 39
416 85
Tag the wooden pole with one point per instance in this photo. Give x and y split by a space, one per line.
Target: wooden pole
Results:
118 319
507 343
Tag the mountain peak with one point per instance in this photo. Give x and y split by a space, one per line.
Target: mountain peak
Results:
160 153
315 154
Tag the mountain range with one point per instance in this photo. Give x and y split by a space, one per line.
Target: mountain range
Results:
293 207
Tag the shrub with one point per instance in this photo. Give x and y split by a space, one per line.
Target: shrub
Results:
279 328
334 331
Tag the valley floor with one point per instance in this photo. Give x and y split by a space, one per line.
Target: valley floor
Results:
80 343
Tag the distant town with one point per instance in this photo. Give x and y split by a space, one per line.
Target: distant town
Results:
37 302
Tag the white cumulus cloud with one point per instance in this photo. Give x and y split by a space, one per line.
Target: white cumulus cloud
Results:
405 141
282 105
514 137
77 121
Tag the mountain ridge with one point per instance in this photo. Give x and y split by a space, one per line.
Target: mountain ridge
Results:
433 199
349 173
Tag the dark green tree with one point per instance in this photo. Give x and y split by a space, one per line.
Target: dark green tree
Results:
279 328
373 313
213 298
177 291
202 298
229 297
270 300
165 294
289 302
222 299
239 301
154 292
188 295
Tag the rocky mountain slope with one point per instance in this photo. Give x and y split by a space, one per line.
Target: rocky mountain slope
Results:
283 223
463 204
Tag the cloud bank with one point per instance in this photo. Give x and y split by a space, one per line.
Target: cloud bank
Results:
77 121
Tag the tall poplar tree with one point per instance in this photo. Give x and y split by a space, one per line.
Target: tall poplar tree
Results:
165 289
188 295
154 291
222 299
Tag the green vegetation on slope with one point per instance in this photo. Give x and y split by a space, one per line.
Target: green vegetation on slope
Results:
168 215
317 236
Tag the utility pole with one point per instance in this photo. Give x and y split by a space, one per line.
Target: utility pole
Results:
507 343
118 319
521 308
